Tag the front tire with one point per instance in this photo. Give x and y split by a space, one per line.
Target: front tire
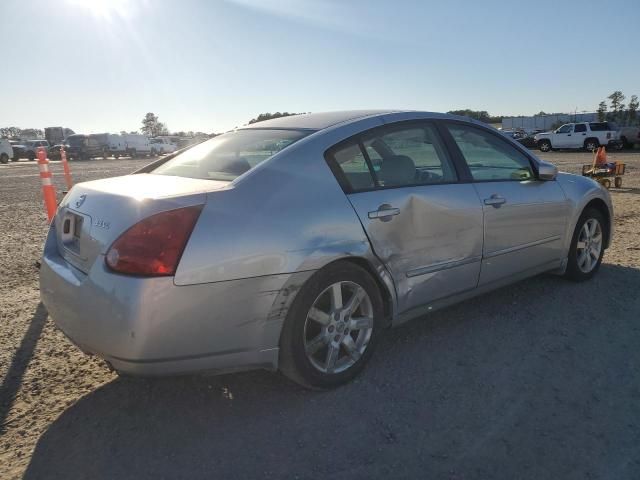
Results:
4 158
332 327
587 246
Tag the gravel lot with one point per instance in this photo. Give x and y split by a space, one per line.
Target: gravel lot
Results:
537 380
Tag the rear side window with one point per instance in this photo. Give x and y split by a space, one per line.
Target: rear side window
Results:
393 156
353 166
489 157
599 126
580 128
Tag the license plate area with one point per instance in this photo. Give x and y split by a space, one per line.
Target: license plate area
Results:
71 234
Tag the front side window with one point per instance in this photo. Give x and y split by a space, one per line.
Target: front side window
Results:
489 157
228 156
564 129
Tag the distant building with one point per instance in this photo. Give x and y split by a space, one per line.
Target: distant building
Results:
545 122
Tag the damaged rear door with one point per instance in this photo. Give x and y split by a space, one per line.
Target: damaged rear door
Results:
422 223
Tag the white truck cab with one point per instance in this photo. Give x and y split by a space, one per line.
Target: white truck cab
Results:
587 135
162 145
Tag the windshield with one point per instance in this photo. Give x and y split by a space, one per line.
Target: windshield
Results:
228 156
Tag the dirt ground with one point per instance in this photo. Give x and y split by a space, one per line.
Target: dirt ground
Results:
537 380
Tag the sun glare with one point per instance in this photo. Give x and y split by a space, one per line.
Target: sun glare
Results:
104 9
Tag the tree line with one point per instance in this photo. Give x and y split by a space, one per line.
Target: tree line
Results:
617 111
25 133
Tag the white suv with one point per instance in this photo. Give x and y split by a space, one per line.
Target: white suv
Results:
587 135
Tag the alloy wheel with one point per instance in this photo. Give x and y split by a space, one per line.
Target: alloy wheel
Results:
338 327
589 245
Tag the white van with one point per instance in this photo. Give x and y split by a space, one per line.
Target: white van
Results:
136 145
117 145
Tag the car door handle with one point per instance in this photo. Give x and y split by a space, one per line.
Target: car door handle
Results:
495 200
384 211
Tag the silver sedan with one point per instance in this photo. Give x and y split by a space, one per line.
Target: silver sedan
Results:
293 244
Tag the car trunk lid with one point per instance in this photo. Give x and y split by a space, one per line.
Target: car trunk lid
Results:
94 214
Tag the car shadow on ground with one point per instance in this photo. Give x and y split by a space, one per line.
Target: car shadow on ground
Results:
20 360
536 380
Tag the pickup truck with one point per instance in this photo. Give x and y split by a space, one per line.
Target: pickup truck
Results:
629 136
587 135
161 145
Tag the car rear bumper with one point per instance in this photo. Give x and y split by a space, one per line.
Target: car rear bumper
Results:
149 326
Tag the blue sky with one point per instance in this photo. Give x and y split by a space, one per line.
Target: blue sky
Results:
100 65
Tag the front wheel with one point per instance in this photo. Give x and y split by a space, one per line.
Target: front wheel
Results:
544 146
587 246
4 158
332 327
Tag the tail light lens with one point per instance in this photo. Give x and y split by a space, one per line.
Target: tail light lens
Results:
153 246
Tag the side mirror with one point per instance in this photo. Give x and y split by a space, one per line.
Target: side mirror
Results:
547 171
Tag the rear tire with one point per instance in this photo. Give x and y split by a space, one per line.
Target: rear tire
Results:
4 158
618 182
332 327
588 240
544 145
590 144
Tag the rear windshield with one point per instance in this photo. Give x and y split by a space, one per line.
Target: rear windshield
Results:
228 156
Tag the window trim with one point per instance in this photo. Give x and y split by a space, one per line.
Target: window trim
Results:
359 138
455 150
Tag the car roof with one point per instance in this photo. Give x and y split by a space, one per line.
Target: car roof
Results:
323 120
317 121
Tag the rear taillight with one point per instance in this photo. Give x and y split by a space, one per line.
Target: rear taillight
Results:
153 246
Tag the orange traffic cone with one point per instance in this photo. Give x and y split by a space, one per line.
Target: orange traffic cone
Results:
65 166
601 156
48 190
